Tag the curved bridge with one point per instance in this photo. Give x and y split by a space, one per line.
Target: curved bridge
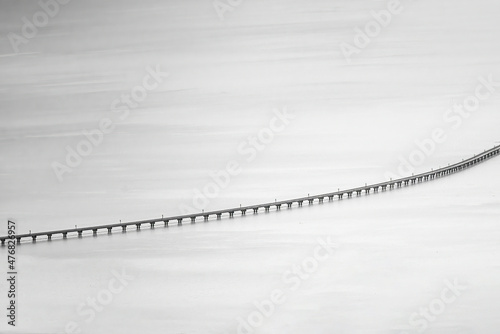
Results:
267 206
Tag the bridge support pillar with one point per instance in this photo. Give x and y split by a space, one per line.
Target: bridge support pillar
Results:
165 223
219 216
311 201
358 192
266 208
3 242
289 205
94 232
65 235
80 234
18 240
49 237
124 228
255 210
179 221
243 212
231 214
34 238
205 218
109 230
152 225
138 226
193 220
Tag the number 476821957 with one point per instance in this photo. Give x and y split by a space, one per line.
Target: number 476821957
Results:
11 245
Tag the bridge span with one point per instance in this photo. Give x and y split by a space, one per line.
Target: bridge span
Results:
366 189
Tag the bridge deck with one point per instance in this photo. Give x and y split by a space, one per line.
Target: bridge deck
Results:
398 182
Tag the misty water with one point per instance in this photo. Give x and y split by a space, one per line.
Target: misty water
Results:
350 124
